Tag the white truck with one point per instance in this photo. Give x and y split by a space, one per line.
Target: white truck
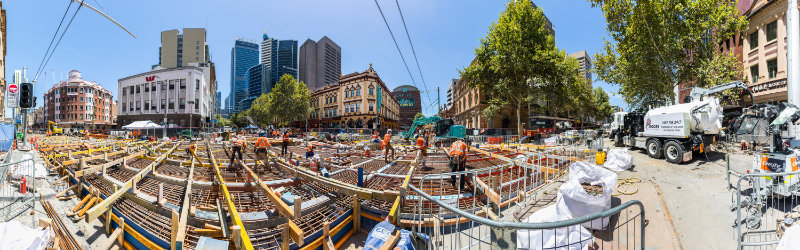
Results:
675 132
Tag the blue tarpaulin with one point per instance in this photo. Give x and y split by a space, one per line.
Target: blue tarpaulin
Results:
6 136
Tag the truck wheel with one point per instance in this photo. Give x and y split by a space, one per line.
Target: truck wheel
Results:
673 152
654 149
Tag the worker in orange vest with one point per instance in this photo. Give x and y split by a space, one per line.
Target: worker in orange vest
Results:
387 144
458 161
422 144
285 145
238 145
261 148
366 152
310 151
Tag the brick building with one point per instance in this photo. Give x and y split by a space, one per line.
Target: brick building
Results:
77 104
408 99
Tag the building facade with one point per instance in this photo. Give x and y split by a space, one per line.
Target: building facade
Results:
258 83
244 55
184 96
585 64
280 56
179 49
450 89
79 104
320 63
764 51
353 103
409 102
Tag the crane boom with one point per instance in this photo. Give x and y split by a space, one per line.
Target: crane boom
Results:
700 93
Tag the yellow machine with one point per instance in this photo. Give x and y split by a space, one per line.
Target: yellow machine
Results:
53 129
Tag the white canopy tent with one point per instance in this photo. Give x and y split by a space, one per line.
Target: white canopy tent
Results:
147 126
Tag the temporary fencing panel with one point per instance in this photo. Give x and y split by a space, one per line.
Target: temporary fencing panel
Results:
17 183
765 207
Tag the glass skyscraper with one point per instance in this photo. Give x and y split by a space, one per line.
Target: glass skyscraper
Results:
244 55
280 57
258 81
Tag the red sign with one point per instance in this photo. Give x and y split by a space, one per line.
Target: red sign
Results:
12 88
149 78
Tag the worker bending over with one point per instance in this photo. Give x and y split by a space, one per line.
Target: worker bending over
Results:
422 144
285 145
458 161
387 144
366 151
310 151
238 145
262 149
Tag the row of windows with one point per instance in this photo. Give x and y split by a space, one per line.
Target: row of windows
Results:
82 116
148 105
772 34
772 70
147 87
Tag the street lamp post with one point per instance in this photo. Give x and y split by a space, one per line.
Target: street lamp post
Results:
191 107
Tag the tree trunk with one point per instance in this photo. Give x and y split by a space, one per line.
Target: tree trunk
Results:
519 122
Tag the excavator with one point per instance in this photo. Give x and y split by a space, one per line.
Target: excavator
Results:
53 129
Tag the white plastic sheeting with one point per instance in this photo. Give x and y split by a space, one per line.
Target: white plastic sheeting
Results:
14 235
573 201
790 239
618 160
572 238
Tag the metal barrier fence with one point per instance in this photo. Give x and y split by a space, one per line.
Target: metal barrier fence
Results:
467 217
767 206
460 229
17 182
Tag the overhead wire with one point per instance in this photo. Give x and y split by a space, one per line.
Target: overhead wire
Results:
59 40
38 69
396 45
413 51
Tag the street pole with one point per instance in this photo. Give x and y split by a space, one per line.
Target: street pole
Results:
191 107
793 57
165 106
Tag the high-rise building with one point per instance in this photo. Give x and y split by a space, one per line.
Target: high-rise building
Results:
280 57
320 63
450 92
178 50
244 55
585 63
410 104
258 83
218 102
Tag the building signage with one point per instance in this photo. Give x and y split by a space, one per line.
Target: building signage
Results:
12 95
768 86
406 103
149 78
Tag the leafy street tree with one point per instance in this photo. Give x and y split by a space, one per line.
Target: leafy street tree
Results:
658 44
518 62
288 101
603 109
222 121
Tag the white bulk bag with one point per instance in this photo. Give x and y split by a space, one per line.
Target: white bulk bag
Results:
618 160
571 238
573 201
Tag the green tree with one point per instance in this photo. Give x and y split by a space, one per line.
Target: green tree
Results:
602 107
660 43
418 115
288 101
222 121
240 120
518 61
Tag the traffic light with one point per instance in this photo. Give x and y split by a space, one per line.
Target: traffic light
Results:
26 99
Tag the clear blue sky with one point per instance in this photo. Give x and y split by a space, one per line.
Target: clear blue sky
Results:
444 34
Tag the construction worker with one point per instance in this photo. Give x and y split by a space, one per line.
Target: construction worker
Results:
458 160
261 149
238 145
387 144
374 136
310 151
285 145
189 150
422 144
366 151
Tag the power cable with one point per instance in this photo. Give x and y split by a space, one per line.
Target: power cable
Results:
59 40
413 51
396 45
38 69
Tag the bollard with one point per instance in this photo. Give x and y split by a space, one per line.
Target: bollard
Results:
360 177
160 192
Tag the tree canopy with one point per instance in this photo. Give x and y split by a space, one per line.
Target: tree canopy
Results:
288 101
603 108
518 62
655 45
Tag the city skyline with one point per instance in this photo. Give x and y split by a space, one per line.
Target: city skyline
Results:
444 36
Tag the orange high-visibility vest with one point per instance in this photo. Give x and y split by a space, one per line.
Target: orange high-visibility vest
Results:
262 142
457 148
286 137
310 148
387 138
421 143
